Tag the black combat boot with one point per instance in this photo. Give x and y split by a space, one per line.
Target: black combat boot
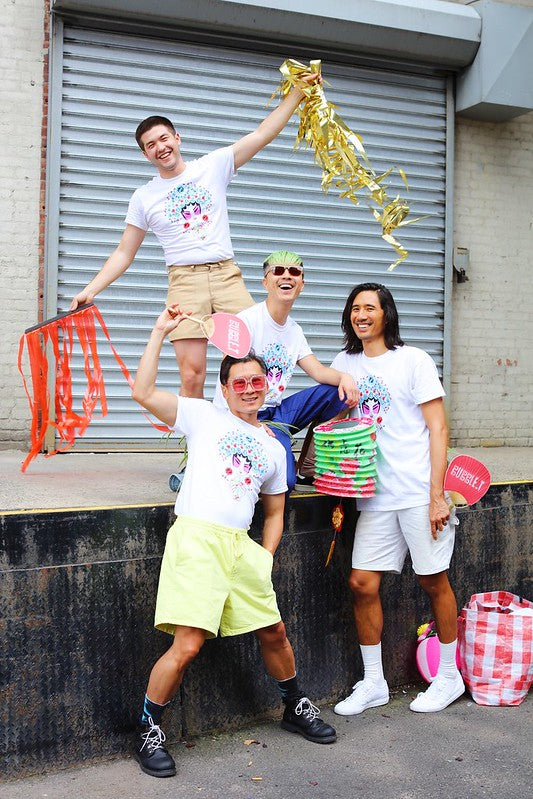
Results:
150 753
301 716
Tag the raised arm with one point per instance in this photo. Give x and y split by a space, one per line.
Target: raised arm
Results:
435 419
162 404
117 263
273 506
332 377
249 145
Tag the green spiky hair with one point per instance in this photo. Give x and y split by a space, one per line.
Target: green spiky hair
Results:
282 257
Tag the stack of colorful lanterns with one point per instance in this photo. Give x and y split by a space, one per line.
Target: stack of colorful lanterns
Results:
346 457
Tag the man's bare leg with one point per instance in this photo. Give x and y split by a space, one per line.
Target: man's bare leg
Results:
165 679
367 610
191 354
167 672
300 715
443 604
277 651
448 684
372 690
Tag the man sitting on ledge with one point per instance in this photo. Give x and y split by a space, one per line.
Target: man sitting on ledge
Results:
280 341
214 577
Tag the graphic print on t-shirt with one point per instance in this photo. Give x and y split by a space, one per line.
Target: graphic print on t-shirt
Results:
243 458
188 205
280 367
375 398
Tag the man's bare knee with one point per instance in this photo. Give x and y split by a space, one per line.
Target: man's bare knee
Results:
364 584
273 637
191 357
435 584
185 648
192 383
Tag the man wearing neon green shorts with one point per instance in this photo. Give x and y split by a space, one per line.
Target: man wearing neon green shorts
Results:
214 577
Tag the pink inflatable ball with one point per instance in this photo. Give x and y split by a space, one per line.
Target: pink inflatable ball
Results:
428 657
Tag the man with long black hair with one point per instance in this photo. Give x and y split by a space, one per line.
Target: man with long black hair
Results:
400 389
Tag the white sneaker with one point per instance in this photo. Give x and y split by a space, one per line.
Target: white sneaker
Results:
366 694
441 693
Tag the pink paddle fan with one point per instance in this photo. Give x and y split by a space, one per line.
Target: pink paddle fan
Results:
230 335
225 331
468 478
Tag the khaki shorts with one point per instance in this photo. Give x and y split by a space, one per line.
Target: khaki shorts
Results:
205 289
214 578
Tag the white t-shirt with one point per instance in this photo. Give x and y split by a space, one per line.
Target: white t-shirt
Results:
280 346
392 387
229 462
188 213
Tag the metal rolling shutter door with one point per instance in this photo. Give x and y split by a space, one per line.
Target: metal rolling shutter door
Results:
214 96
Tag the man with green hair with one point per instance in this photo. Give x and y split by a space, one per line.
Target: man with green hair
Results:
280 341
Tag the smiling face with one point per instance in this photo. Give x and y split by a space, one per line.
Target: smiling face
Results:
244 405
284 288
162 148
368 319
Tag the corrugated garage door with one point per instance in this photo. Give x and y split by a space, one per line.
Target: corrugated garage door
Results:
109 82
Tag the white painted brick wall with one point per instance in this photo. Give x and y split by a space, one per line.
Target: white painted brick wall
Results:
492 327
21 81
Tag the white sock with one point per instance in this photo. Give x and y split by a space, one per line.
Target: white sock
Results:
447 664
373 667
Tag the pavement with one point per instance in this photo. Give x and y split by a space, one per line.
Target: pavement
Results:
86 480
466 751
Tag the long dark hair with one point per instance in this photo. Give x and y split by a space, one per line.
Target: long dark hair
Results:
352 344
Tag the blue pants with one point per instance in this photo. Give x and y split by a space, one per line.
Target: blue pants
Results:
320 403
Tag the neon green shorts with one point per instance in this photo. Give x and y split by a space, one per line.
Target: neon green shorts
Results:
215 578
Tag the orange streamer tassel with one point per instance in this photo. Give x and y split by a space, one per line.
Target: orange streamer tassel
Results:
59 333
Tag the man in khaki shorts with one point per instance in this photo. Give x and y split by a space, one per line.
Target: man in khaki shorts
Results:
185 206
214 577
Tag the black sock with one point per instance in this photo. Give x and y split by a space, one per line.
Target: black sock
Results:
289 690
152 710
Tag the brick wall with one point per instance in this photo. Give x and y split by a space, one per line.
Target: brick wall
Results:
492 329
21 72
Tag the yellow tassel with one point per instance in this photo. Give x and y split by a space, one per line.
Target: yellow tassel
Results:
341 155
330 553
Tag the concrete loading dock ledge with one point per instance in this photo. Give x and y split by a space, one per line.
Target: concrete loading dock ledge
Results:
76 596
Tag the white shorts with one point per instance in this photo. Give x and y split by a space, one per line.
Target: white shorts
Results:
383 537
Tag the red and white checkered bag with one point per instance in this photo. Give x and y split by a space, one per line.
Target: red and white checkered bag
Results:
495 633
